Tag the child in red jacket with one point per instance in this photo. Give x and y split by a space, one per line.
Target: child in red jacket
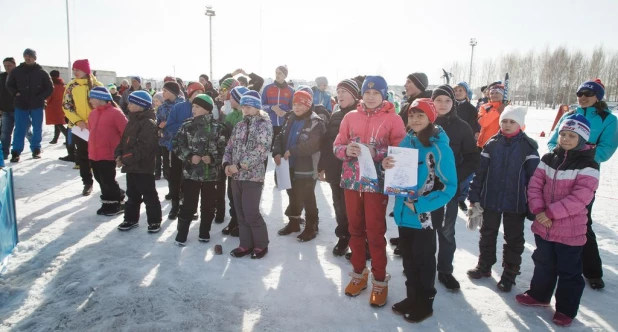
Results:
106 123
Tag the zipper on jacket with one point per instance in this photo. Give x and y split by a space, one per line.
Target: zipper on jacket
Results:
278 103
553 185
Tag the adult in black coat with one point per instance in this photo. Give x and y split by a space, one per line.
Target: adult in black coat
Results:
415 87
465 109
7 107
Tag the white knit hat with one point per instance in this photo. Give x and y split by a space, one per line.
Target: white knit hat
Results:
515 113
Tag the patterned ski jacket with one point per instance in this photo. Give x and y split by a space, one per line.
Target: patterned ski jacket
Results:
249 146
162 113
75 100
201 136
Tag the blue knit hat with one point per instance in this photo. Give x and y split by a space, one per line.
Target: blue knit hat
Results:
101 93
375 83
137 78
596 86
251 98
141 98
238 92
467 88
305 88
578 124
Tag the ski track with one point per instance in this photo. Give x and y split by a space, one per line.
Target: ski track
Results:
75 271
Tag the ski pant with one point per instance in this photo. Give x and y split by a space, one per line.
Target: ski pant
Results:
59 129
593 267
8 123
302 195
162 161
141 188
220 199
418 253
446 237
367 224
252 228
192 190
81 158
562 264
341 215
105 173
513 238
174 179
23 120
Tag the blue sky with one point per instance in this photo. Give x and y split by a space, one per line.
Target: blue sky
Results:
337 39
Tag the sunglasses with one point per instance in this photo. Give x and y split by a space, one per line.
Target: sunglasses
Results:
586 93
222 90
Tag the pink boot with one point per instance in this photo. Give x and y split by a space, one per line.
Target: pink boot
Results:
529 301
561 319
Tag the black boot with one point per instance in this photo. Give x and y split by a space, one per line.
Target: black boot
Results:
596 283
480 271
402 307
310 231
341 248
394 241
113 209
449 281
231 226
292 227
174 210
36 154
70 157
14 157
87 190
508 278
422 310
183 231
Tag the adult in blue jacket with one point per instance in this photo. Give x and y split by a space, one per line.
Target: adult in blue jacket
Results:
320 95
437 184
180 112
277 100
603 134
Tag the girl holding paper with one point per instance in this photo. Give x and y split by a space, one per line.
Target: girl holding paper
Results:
437 183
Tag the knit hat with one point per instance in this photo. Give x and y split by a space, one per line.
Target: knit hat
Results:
515 113
595 86
303 98
467 88
112 86
483 88
169 79
375 83
305 88
420 80
283 69
195 86
172 87
82 65
497 87
578 124
204 101
30 52
159 96
229 84
443 90
426 106
54 74
237 93
9 59
141 98
101 93
321 81
351 87
137 78
251 98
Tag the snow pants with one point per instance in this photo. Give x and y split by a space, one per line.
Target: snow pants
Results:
252 228
593 267
302 195
513 238
418 252
341 215
142 188
105 174
81 158
192 191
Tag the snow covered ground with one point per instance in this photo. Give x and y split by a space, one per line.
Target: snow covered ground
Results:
75 271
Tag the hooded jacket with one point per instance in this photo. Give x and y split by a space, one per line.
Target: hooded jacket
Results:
75 100
489 120
106 124
32 83
328 162
54 114
139 143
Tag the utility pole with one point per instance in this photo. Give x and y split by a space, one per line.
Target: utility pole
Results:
68 42
210 13
473 43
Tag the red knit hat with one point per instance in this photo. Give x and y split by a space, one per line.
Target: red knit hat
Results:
82 65
303 98
426 106
195 86
169 79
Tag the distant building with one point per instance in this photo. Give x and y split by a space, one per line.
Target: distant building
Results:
104 76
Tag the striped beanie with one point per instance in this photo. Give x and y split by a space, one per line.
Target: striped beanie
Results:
101 93
141 98
305 88
251 98
229 84
237 93
443 90
351 87
204 101
578 124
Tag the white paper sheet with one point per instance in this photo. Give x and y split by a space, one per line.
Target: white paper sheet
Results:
283 175
367 168
83 134
401 180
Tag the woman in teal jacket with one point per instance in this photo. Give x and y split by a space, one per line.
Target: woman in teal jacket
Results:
437 184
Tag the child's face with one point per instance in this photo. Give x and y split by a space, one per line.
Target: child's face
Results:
234 104
78 73
97 102
279 76
249 111
223 94
443 104
156 103
417 120
323 87
460 93
198 110
495 95
411 89
509 126
568 140
300 109
372 98
133 108
168 95
345 98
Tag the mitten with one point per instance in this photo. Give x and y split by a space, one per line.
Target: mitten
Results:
475 217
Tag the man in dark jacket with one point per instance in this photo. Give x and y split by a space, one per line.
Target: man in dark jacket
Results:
30 84
468 113
255 82
136 85
416 87
7 108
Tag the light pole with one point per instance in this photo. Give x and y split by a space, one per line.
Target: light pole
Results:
472 43
210 13
68 41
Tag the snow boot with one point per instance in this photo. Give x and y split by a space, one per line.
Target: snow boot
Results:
196 216
293 226
341 248
596 283
421 311
394 241
402 307
174 210
379 292
462 206
54 141
480 271
154 227
113 209
449 281
227 230
168 197
127 225
529 301
241 252
87 190
392 214
309 233
508 278
183 230
561 319
14 157
358 283
36 154
397 251
204 237
259 253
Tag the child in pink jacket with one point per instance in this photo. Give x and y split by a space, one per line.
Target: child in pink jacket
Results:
558 193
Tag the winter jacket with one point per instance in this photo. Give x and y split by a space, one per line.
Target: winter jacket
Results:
201 136
305 153
603 132
255 81
468 113
322 98
403 113
75 100
139 143
277 94
436 179
32 83
501 180
124 102
54 115
248 147
462 143
380 128
179 113
330 164
106 124
233 118
562 186
321 112
117 98
163 113
7 102
489 120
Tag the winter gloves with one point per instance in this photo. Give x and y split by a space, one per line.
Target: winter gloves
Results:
475 216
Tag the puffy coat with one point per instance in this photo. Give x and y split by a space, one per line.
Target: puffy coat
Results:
562 186
54 115
248 147
501 180
468 113
32 83
489 120
139 143
179 113
277 94
380 128
7 101
603 132
437 180
322 98
106 124
75 100
163 113
330 164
